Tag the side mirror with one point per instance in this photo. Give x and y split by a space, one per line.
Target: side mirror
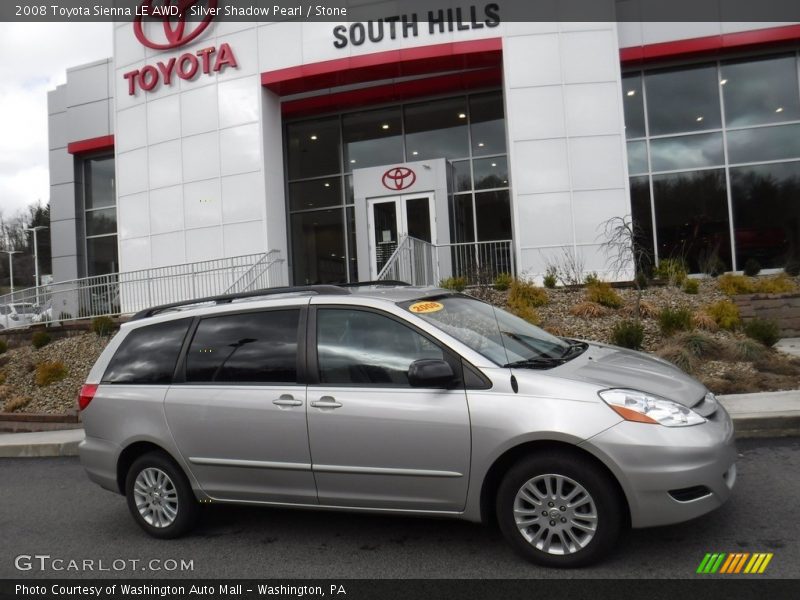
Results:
430 373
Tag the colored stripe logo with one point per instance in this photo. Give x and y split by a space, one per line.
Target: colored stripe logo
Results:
734 563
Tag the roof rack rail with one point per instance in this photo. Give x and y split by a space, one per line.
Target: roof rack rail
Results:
381 282
228 298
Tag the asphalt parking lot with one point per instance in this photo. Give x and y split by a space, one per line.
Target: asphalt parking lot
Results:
48 507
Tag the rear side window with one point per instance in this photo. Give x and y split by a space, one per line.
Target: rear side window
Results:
148 354
255 347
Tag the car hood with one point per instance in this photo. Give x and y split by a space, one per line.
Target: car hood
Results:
610 366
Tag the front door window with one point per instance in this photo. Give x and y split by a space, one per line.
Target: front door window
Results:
392 219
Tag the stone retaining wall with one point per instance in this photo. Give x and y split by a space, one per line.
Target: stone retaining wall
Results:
781 308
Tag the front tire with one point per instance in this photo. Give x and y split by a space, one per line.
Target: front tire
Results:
159 496
559 511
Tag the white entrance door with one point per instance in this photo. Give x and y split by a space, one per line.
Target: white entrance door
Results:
390 219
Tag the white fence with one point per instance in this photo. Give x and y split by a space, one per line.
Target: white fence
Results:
126 293
422 263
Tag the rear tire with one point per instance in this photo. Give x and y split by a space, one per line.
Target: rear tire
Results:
559 511
159 496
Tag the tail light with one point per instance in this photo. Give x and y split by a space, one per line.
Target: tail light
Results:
88 391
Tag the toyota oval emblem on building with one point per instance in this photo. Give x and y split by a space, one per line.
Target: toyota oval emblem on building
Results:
399 178
175 30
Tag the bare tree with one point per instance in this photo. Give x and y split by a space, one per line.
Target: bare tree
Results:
625 253
568 267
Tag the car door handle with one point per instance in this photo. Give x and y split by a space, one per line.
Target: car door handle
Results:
326 402
287 400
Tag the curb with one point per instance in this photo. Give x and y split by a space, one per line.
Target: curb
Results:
41 444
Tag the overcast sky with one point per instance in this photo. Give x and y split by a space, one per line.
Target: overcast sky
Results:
34 58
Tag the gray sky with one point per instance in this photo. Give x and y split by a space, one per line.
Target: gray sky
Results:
34 58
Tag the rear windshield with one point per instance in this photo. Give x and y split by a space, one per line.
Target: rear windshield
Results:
148 354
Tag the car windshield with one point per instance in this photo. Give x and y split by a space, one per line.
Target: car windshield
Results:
496 334
24 309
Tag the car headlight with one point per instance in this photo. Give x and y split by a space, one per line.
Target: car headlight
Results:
633 405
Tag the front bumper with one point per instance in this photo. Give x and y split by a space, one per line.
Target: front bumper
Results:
650 461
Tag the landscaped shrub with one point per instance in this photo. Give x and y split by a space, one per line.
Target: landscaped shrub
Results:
746 350
702 320
3 346
458 284
646 310
49 372
725 314
502 282
550 278
642 280
628 334
555 330
588 310
591 278
678 356
752 267
792 267
525 311
525 293
699 344
602 293
732 285
672 270
102 326
40 339
673 320
762 330
691 286
15 403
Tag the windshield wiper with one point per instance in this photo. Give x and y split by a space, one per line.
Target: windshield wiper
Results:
541 362
574 349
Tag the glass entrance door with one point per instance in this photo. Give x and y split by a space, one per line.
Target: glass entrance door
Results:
392 219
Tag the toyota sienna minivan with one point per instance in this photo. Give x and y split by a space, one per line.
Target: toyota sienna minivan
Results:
400 400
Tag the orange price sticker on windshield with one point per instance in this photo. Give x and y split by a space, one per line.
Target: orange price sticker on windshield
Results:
426 307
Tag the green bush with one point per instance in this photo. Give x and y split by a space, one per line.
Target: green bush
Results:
49 372
672 270
524 293
732 285
628 334
602 293
673 320
458 284
502 282
3 346
752 267
551 278
102 326
691 286
747 350
591 278
792 267
765 331
725 313
40 339
699 344
678 356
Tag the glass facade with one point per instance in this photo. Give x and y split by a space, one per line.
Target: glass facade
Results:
714 160
100 216
322 153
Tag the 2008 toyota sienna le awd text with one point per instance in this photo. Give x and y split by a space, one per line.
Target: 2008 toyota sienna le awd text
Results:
402 400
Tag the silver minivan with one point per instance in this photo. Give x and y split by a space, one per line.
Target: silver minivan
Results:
400 400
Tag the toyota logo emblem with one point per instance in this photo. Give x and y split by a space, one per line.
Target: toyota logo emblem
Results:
399 178
175 31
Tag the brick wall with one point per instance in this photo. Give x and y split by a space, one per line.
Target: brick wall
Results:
782 308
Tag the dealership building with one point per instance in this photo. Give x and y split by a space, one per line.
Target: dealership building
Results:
509 143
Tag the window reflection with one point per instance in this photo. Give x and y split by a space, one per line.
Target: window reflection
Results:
372 138
316 193
437 129
686 152
318 247
692 218
766 213
633 105
637 157
488 124
148 354
642 215
490 173
313 148
683 100
493 214
760 91
764 143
